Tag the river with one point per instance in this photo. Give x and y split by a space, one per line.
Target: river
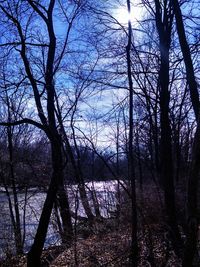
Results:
31 204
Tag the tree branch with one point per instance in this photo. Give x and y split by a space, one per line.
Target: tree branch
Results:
24 121
37 10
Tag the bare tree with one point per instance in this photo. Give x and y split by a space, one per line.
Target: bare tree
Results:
193 181
47 117
134 247
164 18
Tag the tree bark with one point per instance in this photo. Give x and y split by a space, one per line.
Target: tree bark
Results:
193 180
164 19
131 171
17 222
79 178
63 201
35 252
192 211
194 94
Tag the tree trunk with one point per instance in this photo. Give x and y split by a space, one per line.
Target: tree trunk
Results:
139 163
131 171
164 24
79 179
17 223
193 181
192 211
16 220
34 254
67 232
194 94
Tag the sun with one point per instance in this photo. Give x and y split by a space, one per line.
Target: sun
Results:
123 16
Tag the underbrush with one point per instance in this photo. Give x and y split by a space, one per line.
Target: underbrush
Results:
107 241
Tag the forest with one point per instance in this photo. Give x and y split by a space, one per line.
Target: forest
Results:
99 133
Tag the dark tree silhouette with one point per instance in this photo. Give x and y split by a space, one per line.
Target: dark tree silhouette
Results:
131 170
193 180
164 19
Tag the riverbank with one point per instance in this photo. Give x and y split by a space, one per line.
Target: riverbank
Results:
109 248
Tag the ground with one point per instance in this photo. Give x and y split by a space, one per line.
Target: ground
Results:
112 249
107 243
